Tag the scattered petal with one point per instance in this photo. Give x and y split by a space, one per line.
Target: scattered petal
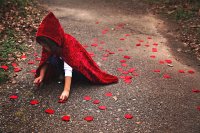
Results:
161 62
157 70
154 50
166 76
168 61
87 98
31 62
88 118
102 107
94 44
17 69
153 56
23 56
66 118
38 59
34 102
14 65
4 67
33 71
198 108
147 45
181 71
96 101
138 44
122 39
155 44
124 64
49 111
131 70
128 116
120 49
191 71
122 61
127 57
108 94
195 90
149 38
13 97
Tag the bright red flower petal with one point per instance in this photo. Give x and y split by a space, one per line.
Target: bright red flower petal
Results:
153 56
124 64
195 91
166 76
34 102
94 44
49 111
102 107
66 118
14 65
127 57
33 71
161 62
17 69
138 44
155 44
23 56
191 71
181 71
13 97
147 45
157 70
122 61
87 98
38 59
31 62
108 94
128 116
4 67
96 101
168 61
154 50
131 70
122 39
88 118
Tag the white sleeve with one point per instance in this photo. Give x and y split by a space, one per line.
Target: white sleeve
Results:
68 70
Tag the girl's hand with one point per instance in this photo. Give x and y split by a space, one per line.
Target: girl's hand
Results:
38 80
64 95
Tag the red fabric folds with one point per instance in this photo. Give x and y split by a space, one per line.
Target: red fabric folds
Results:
73 53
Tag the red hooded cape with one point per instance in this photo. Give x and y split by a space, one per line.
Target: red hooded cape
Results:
73 52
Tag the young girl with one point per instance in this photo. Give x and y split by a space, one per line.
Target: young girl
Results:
61 54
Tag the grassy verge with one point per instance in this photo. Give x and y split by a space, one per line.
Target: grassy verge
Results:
19 21
186 14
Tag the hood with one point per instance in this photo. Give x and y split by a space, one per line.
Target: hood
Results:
50 27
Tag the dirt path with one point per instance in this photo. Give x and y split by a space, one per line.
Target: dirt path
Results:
160 101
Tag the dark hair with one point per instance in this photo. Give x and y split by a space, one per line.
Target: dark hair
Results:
53 46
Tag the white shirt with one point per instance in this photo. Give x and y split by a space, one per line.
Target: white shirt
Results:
68 70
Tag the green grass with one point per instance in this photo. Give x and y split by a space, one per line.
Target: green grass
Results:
181 14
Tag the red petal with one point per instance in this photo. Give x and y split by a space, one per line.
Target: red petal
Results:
105 55
17 69
127 81
31 62
14 65
94 44
49 111
157 70
198 108
138 44
104 58
181 71
125 72
195 91
66 118
102 107
127 57
124 64
88 118
23 56
154 50
108 94
168 61
155 44
96 101
140 40
128 116
127 34
35 54
97 22
191 71
62 101
13 97
161 62
135 74
166 76
122 61
128 77
153 56
147 45
102 42
4 67
120 49
149 38
38 59
34 102
33 71
131 70
120 69
122 39
87 98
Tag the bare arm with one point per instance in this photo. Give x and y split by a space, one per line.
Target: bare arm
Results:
67 86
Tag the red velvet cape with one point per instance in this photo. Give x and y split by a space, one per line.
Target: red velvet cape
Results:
73 53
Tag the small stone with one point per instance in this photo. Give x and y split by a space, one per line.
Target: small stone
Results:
170 65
